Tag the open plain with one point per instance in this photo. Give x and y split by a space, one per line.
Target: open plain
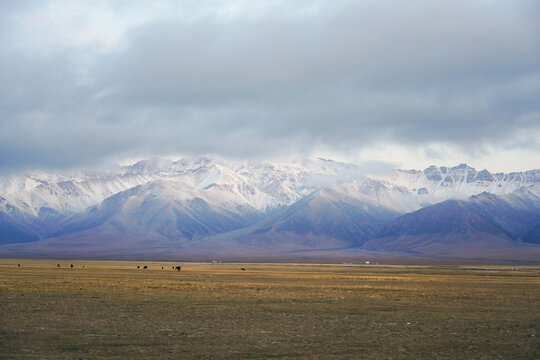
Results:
113 310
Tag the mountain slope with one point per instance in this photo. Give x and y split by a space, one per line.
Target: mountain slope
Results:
201 205
17 226
484 224
159 208
517 213
326 219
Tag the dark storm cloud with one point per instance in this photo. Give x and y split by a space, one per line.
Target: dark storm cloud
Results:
345 76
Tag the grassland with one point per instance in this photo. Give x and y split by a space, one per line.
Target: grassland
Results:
270 311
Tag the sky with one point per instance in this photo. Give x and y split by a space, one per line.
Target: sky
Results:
393 83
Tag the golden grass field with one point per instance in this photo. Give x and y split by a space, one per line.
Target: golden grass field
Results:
270 311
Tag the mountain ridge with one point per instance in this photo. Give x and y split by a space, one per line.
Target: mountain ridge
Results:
307 204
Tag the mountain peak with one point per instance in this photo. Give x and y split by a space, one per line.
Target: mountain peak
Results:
150 166
462 166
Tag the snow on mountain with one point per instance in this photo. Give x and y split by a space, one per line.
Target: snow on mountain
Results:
300 204
63 193
323 219
165 208
264 186
439 183
17 226
481 225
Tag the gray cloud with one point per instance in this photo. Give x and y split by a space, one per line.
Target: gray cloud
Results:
344 76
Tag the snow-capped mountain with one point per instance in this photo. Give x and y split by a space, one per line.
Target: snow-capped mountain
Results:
263 185
436 184
65 193
293 205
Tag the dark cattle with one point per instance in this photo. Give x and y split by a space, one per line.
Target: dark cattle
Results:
162 268
243 269
178 268
72 266
57 265
145 267
19 265
138 267
173 267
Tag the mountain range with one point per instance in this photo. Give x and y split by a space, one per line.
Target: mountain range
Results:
205 208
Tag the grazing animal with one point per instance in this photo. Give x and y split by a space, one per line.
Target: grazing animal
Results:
138 267
19 265
243 269
162 268
145 267
72 266
84 266
178 268
173 267
57 265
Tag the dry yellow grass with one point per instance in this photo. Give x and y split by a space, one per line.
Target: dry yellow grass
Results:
289 311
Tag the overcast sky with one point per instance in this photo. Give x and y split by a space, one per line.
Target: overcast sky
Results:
408 83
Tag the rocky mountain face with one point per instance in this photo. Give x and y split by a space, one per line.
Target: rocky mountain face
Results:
308 204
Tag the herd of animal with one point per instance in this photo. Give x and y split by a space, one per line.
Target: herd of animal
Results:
177 268
144 267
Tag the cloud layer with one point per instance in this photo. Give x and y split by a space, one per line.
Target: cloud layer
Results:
81 84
